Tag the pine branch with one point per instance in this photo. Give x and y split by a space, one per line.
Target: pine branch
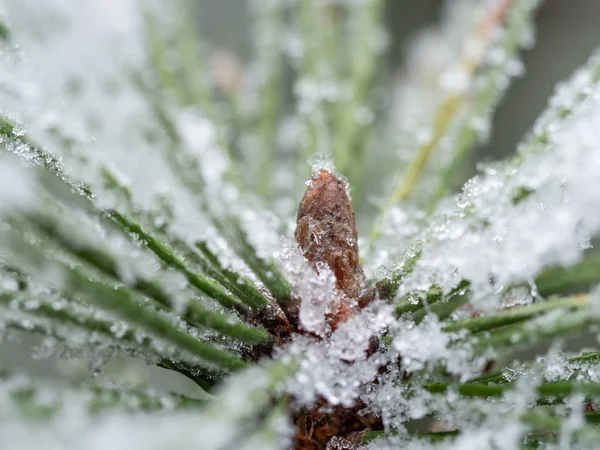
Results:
196 314
515 315
30 398
229 226
492 82
537 141
550 325
126 305
24 148
100 271
512 16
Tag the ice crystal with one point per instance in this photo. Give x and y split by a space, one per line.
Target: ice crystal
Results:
120 429
316 291
489 236
339 367
147 204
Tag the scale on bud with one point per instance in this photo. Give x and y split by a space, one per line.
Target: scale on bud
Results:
326 232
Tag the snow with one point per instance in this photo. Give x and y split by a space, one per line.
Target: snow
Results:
486 236
336 369
69 83
73 425
317 291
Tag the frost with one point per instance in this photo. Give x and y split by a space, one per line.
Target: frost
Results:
421 344
323 161
317 291
338 368
123 430
94 122
493 242
127 261
456 74
556 366
518 296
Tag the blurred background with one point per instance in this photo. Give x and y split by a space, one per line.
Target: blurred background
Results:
567 33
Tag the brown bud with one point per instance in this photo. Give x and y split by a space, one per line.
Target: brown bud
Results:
326 232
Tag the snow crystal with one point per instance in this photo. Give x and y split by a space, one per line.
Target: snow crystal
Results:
74 91
455 74
317 291
493 242
72 87
555 366
336 369
421 344
123 430
323 161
